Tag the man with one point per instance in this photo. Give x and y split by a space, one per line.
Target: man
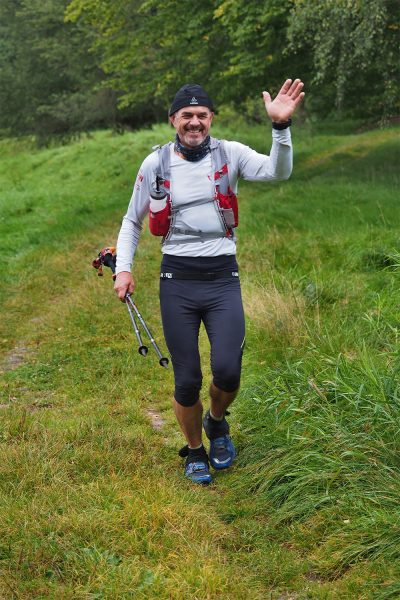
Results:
189 188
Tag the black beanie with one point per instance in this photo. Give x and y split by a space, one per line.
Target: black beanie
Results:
190 94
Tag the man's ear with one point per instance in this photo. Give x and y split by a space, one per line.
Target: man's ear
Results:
172 120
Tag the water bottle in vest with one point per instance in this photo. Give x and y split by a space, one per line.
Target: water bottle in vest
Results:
160 210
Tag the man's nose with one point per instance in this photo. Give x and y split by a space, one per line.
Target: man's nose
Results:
194 120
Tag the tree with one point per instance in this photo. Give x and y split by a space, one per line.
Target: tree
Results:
47 75
148 48
255 34
69 65
353 52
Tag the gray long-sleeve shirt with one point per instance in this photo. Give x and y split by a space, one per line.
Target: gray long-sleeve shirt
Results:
191 181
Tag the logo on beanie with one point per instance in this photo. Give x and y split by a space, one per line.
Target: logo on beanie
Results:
194 100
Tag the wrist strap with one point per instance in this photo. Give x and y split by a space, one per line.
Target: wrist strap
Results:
280 126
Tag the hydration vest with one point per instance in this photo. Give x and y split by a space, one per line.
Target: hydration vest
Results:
162 223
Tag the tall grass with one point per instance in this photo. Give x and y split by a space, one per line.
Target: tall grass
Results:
319 416
324 438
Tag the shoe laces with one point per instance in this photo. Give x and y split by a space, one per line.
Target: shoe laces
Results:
221 442
198 466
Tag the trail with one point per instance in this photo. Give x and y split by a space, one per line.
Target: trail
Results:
123 520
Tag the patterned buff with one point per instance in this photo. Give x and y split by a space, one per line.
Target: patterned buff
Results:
193 154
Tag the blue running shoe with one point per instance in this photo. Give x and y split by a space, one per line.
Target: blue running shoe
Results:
197 471
222 450
197 468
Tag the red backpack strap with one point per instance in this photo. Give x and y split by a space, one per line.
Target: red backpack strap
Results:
227 200
220 165
221 172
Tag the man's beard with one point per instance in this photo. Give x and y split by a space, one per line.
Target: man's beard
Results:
199 131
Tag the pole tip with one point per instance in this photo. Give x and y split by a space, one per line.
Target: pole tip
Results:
164 362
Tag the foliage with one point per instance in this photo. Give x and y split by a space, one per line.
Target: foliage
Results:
47 74
235 47
254 55
353 48
146 56
72 65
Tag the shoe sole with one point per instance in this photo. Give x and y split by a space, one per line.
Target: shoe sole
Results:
220 467
205 481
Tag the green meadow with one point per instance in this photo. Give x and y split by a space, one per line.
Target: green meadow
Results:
93 503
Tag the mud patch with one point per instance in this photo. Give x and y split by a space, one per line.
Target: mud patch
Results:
157 422
32 408
313 577
15 358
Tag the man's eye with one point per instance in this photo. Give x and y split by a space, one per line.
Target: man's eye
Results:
188 117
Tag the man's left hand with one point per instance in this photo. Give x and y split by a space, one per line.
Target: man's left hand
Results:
283 106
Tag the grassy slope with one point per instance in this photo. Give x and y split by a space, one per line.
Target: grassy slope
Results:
92 502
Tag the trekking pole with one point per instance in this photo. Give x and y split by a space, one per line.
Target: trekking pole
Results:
108 258
143 350
163 359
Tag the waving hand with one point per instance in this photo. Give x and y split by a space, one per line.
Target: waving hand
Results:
283 106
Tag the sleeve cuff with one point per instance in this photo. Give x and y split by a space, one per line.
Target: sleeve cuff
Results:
282 136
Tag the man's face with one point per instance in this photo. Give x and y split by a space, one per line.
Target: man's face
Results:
192 124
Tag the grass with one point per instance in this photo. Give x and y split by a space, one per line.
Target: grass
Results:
92 500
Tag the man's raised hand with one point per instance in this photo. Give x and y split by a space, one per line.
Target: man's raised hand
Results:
283 106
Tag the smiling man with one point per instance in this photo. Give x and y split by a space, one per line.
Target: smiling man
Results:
192 125
189 187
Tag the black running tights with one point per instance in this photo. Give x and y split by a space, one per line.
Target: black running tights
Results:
218 304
